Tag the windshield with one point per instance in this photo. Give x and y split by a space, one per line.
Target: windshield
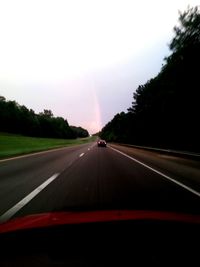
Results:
99 107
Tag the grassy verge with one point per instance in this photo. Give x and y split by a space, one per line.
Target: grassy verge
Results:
13 145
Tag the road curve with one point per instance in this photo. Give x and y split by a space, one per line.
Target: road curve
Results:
87 177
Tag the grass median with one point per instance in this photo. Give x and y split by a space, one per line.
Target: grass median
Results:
13 145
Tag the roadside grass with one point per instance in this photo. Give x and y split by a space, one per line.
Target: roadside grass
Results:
14 145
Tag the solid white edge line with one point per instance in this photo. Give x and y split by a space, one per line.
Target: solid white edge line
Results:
35 154
11 212
38 153
81 155
158 172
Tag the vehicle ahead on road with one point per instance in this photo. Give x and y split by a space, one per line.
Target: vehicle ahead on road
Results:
101 143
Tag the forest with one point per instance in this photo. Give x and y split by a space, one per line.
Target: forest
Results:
165 110
18 119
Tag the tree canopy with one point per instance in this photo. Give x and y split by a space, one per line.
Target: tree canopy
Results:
79 132
21 120
165 110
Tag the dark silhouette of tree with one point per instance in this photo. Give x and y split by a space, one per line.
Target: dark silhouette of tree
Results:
46 113
79 132
20 120
166 109
187 33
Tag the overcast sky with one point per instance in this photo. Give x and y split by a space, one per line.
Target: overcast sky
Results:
82 59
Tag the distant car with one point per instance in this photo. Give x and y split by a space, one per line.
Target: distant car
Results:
101 143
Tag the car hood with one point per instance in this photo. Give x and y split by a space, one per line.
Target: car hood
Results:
62 218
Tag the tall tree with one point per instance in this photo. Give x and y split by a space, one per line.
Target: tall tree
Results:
166 109
19 119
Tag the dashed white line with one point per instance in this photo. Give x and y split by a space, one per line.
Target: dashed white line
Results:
158 172
8 214
81 155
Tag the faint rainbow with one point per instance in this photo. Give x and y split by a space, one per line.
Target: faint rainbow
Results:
97 124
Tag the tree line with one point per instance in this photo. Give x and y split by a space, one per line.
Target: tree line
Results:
18 119
165 110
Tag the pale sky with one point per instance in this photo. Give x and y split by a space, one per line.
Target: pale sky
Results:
83 59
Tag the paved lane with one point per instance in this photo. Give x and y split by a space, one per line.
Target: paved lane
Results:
21 176
96 178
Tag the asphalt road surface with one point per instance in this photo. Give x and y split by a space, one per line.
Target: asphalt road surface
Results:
87 177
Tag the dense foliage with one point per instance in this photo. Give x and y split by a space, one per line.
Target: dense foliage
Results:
20 120
79 131
165 110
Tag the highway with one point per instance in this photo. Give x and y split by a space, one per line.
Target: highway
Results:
87 177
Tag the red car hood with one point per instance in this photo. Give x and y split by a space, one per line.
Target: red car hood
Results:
62 218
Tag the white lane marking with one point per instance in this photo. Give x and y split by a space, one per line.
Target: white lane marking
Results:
35 153
81 155
88 148
8 214
160 173
39 153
